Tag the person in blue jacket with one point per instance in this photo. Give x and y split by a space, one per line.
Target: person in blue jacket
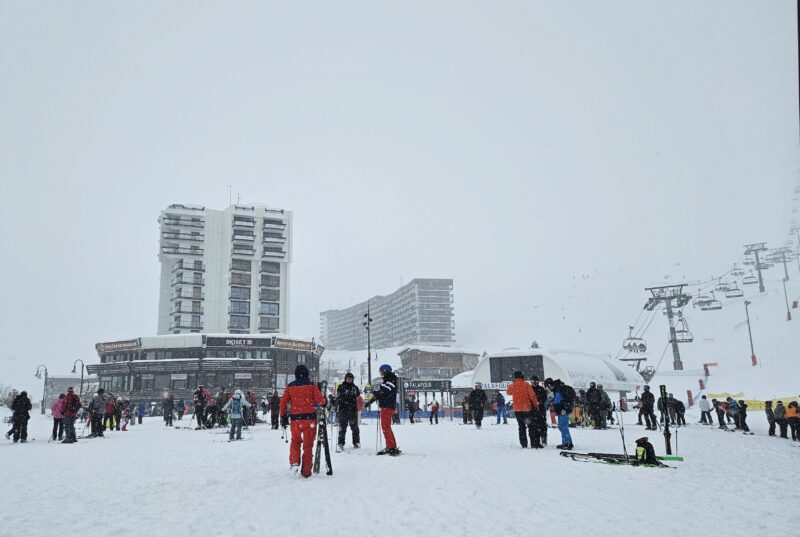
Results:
500 404
563 399
140 411
236 405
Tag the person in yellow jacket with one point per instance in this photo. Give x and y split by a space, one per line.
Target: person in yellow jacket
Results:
525 402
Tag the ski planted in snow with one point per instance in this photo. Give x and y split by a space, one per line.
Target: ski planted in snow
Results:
322 435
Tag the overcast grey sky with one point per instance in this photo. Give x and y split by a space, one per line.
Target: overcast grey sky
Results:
512 146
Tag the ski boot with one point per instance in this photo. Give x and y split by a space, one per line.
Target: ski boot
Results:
295 470
339 448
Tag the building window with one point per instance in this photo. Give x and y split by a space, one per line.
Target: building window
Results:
270 295
269 323
270 281
240 307
268 308
240 279
241 264
271 268
239 322
240 293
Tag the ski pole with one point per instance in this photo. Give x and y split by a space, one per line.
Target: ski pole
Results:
622 433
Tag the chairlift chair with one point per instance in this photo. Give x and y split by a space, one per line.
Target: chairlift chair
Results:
682 332
711 306
634 344
734 292
749 280
723 286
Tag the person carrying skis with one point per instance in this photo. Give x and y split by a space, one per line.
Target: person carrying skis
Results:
500 406
274 409
21 408
539 415
347 411
647 401
70 408
524 400
563 399
168 407
58 417
301 397
477 400
434 411
237 405
386 396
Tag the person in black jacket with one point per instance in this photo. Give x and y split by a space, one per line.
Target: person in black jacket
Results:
21 408
743 417
539 425
274 409
168 406
411 408
386 396
593 401
347 411
647 402
680 411
477 400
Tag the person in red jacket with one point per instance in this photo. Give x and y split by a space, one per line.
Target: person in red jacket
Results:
70 408
300 401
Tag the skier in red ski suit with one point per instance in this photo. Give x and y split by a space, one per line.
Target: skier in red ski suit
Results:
303 397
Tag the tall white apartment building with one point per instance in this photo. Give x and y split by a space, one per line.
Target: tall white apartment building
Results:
224 271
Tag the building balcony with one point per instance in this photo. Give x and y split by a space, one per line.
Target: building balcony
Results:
180 265
185 326
187 311
238 326
177 236
185 222
248 267
239 250
237 236
182 295
242 223
231 296
274 240
273 255
273 282
183 281
232 311
179 250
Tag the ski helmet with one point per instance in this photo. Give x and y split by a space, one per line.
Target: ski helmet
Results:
646 388
237 394
599 386
386 368
591 385
301 372
349 376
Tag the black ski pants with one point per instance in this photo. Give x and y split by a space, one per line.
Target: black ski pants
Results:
58 427
650 420
168 418
783 425
525 425
477 415
465 415
20 428
97 424
680 419
69 428
743 423
434 416
794 423
117 419
538 427
348 417
274 419
411 416
721 418
705 417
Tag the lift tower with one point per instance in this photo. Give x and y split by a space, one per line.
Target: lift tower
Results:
673 297
754 249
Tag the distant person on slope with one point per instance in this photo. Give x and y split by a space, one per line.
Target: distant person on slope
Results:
524 401
435 411
477 400
21 408
465 415
793 418
647 402
720 413
274 409
70 408
705 411
593 399
97 408
58 417
168 407
500 408
386 396
300 401
680 412
770 417
237 405
780 418
743 416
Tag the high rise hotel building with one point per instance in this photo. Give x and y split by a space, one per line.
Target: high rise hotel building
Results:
224 271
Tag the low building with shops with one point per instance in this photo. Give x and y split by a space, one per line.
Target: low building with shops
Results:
143 368
426 362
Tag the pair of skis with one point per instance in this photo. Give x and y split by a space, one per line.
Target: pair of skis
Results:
616 458
322 436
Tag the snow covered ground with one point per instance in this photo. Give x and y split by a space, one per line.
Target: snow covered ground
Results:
451 480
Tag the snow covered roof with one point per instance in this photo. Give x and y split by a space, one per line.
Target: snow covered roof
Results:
462 380
441 350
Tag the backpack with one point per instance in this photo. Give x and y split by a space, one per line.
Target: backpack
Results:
236 406
74 404
568 394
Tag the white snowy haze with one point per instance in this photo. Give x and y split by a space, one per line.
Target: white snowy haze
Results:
553 158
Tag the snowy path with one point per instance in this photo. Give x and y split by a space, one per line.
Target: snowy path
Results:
451 480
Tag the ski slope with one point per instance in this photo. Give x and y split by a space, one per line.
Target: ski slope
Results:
451 480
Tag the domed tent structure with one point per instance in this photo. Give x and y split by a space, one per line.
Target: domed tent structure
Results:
578 369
